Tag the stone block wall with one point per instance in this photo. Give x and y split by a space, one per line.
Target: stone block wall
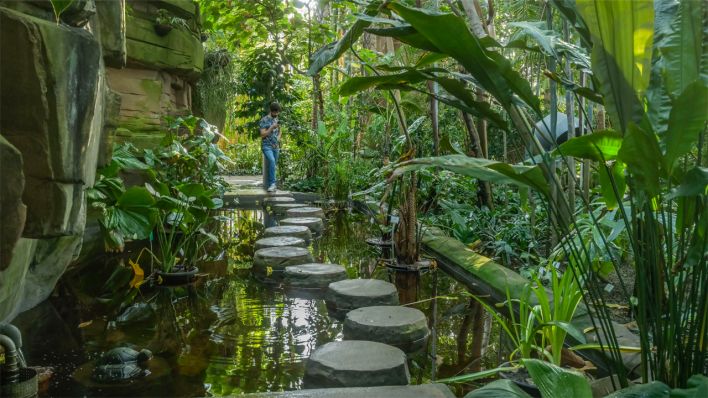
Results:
68 91
158 81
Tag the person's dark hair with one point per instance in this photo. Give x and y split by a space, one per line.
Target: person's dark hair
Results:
274 107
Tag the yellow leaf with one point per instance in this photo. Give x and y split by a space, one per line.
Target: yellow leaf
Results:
84 324
269 270
617 306
138 275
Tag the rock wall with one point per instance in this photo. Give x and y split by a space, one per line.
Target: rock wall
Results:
161 72
69 90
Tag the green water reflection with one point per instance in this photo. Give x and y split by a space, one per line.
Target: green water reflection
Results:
229 333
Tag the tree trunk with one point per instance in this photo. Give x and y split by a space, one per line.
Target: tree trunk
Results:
570 115
484 192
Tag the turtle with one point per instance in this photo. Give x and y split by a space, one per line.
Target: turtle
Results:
120 364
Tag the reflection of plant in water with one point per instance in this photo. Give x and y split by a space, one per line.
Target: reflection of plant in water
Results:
239 244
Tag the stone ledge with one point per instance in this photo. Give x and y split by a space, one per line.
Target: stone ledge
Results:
419 391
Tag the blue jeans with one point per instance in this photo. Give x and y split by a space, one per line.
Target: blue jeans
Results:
271 156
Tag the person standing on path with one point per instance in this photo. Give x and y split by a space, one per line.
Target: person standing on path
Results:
270 142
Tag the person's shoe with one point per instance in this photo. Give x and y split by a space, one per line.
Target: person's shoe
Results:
271 188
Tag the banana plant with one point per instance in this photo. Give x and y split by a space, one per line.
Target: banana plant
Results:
651 74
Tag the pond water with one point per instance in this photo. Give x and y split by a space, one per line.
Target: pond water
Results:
228 333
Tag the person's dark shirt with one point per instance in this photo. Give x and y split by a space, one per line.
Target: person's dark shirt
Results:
271 139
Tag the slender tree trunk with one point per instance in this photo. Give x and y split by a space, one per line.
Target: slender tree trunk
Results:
570 115
484 192
554 121
482 128
478 337
581 120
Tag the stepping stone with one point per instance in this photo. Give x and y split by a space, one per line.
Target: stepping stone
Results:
351 294
278 199
402 327
277 258
355 363
280 241
314 223
306 212
298 231
283 207
314 275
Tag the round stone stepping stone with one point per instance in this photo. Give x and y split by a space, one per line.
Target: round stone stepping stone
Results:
278 199
356 293
283 207
306 212
314 275
402 327
355 363
280 241
298 231
314 223
277 258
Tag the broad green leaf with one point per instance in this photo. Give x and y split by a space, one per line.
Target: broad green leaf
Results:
451 36
483 169
458 89
599 146
655 389
405 34
357 84
697 388
556 382
332 51
640 152
608 175
686 121
136 197
694 183
573 331
475 376
622 36
499 389
550 43
682 47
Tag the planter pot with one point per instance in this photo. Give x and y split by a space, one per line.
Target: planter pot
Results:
178 276
522 379
162 29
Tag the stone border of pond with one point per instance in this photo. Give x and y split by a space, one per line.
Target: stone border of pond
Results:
435 390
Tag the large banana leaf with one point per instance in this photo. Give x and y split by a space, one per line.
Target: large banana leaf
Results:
682 46
483 169
686 121
549 42
640 152
655 389
499 389
600 146
451 36
406 34
556 382
462 96
622 35
332 51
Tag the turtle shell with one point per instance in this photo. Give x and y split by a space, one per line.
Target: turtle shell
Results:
123 355
113 373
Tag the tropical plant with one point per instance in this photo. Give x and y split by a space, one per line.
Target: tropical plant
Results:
122 213
650 154
189 154
183 216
